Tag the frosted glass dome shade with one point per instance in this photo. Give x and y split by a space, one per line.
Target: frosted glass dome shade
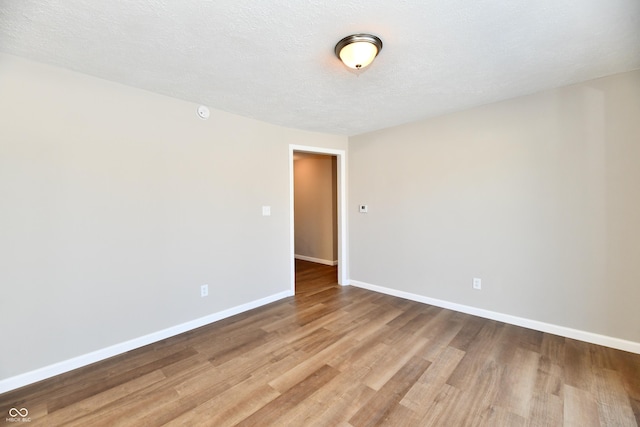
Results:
359 50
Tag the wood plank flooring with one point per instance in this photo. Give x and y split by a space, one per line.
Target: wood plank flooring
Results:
344 356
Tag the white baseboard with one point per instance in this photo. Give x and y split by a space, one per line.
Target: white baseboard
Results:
590 337
316 260
31 377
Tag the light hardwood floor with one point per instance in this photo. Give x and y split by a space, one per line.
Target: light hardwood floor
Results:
334 356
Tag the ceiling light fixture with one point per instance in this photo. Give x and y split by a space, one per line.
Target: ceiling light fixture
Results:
358 50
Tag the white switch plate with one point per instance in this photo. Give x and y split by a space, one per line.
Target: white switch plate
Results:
477 283
266 211
204 291
363 208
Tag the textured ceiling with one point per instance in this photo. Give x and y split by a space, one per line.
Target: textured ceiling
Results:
274 61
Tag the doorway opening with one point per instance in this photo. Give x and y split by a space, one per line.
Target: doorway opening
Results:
318 218
315 201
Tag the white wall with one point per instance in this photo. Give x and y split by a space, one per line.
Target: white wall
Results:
315 207
117 204
538 196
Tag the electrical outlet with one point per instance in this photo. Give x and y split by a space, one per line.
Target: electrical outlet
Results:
204 291
477 283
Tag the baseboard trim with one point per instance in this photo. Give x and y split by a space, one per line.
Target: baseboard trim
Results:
40 374
316 260
590 337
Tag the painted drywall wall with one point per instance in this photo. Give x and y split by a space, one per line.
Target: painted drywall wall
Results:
538 196
315 207
117 204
